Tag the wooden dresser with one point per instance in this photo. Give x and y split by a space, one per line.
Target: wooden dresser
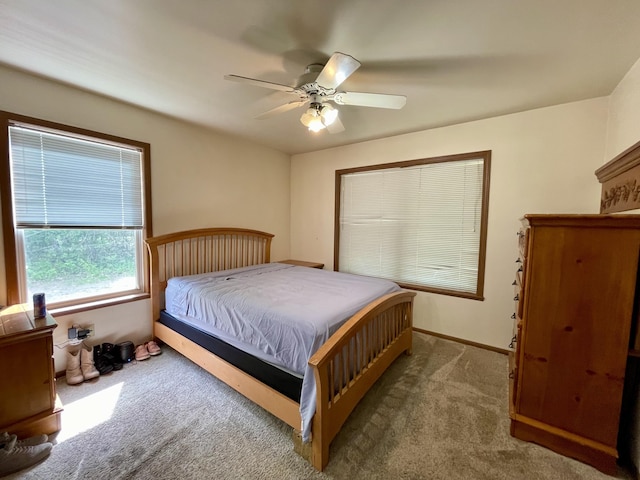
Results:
27 382
574 327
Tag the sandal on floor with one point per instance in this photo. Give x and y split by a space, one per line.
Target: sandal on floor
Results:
141 352
153 348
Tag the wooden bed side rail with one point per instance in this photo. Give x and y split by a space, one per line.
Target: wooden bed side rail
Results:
351 361
201 251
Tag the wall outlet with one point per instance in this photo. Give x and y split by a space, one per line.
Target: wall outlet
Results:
81 332
92 330
86 331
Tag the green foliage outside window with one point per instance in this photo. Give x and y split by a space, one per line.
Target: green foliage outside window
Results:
79 257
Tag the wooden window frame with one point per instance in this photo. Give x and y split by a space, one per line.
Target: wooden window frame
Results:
8 119
486 156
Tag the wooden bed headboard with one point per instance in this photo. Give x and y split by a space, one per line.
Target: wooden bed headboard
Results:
200 251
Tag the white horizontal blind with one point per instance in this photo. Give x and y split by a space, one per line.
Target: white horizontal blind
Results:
65 182
417 225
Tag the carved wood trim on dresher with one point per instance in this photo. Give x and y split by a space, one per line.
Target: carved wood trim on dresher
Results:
620 179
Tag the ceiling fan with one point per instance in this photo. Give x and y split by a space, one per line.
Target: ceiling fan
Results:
317 87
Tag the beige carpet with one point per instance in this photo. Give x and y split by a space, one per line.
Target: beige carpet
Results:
438 414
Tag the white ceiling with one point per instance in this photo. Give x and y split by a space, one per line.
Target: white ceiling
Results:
455 60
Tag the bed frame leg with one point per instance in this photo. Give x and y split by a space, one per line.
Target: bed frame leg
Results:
311 451
301 448
319 443
320 455
409 351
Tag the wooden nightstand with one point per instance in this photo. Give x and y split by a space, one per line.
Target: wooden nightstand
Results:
27 379
302 263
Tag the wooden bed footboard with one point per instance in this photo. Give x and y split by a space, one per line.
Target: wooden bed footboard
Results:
351 361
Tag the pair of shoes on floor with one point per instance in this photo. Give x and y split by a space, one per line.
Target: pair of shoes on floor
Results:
107 358
80 366
16 455
147 350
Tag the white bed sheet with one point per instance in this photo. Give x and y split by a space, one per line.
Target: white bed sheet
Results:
281 313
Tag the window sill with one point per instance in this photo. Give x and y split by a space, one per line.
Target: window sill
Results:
441 291
83 307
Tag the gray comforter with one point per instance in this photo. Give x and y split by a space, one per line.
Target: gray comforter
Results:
282 311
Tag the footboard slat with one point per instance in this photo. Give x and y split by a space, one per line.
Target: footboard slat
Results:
382 330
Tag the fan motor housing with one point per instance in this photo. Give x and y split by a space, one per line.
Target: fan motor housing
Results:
307 81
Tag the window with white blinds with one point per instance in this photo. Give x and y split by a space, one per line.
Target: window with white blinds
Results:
76 210
420 223
65 182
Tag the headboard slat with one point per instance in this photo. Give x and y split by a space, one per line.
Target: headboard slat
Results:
202 251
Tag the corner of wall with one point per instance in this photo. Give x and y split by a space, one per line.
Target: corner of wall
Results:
623 114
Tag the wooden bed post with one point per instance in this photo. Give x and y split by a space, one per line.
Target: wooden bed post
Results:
155 282
320 444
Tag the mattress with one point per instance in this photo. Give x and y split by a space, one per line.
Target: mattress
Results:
277 378
277 312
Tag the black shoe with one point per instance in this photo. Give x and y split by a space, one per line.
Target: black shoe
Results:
117 357
103 365
111 356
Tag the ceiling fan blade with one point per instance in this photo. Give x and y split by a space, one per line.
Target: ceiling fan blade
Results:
281 109
379 100
336 126
337 69
260 83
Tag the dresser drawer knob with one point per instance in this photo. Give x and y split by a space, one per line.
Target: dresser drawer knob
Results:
513 317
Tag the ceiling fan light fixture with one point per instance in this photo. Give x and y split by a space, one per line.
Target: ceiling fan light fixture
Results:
316 125
328 114
312 119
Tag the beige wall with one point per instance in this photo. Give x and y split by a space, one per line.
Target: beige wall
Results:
199 178
623 127
543 161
